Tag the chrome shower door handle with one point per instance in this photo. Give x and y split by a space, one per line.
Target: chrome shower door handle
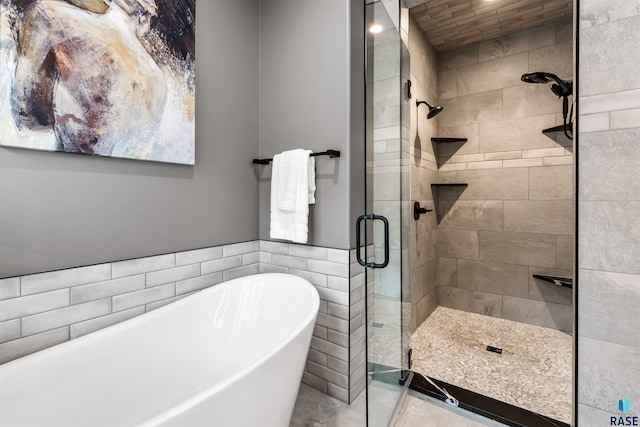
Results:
385 221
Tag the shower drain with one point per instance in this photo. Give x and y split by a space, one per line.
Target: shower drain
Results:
494 349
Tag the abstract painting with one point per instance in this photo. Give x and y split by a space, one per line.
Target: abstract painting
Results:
110 78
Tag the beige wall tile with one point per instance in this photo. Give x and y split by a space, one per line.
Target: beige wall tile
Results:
516 134
457 243
522 163
426 305
475 108
530 100
424 58
539 216
470 214
546 314
505 155
453 167
469 131
518 248
469 300
551 183
497 278
522 41
417 280
458 57
490 75
564 31
463 158
556 59
494 164
448 84
565 257
447 271
557 161
497 184
544 152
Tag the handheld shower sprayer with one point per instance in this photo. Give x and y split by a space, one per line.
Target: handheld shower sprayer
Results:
561 88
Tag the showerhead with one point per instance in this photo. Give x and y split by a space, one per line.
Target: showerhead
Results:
433 111
537 77
560 87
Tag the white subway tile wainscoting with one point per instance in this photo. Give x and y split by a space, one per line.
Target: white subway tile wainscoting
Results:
41 310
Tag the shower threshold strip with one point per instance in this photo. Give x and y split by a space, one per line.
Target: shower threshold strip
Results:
502 412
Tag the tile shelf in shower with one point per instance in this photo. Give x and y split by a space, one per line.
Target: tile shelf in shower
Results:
559 129
565 282
440 140
557 134
449 184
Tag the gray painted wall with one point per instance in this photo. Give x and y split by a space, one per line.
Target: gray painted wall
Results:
357 114
60 210
305 103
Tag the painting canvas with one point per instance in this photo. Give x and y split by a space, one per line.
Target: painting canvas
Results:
110 78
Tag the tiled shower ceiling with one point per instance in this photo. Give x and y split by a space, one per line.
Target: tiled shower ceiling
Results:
450 24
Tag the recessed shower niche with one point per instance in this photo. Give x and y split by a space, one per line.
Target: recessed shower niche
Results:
445 196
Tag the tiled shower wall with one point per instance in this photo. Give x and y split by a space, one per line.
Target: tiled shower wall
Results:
515 216
424 172
41 310
609 205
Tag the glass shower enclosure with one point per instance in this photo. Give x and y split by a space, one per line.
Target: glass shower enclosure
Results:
385 222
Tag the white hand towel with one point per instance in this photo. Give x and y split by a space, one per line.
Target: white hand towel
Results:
289 164
312 180
290 190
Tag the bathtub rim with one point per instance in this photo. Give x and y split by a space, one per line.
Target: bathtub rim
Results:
307 322
209 391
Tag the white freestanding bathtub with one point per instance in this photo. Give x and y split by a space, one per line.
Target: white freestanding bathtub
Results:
230 355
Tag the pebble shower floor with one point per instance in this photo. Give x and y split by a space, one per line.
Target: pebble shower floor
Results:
533 371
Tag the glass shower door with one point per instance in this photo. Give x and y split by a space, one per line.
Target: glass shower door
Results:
386 167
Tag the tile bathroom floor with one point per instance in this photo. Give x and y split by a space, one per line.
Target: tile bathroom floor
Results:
533 372
316 409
